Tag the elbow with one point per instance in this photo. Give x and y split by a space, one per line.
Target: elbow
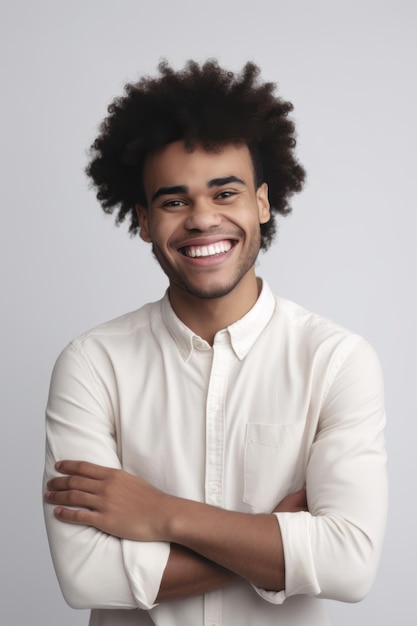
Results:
353 587
80 582
353 574
77 593
337 560
73 600
88 580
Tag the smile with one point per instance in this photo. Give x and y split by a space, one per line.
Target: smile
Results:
213 249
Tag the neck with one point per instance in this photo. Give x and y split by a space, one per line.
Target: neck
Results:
206 316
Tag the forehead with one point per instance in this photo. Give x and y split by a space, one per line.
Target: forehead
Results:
174 164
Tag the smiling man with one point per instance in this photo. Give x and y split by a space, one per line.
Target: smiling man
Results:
203 222
216 457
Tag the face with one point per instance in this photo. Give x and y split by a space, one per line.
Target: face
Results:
203 217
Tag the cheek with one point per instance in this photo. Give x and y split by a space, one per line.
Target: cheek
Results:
163 232
248 219
158 230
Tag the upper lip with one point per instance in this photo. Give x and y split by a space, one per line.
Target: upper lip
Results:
205 241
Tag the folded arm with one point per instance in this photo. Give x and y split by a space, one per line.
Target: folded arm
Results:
333 550
91 558
188 573
125 506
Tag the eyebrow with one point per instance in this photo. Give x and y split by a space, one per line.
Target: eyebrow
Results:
167 191
219 182
214 182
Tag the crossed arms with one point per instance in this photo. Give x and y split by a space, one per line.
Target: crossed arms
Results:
146 546
211 546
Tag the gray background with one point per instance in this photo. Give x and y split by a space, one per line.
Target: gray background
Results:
347 252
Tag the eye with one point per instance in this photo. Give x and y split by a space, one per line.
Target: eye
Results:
173 204
226 194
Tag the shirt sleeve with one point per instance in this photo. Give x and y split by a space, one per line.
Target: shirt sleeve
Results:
94 570
332 551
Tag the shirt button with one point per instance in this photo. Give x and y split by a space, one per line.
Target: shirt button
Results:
214 488
215 407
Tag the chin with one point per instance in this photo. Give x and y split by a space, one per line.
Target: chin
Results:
211 292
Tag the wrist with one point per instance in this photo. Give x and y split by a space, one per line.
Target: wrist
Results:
181 518
171 518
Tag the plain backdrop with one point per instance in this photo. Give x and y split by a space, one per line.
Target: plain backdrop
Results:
347 252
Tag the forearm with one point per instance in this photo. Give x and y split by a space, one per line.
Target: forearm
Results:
188 574
125 506
246 544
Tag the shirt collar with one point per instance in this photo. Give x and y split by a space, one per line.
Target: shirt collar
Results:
242 334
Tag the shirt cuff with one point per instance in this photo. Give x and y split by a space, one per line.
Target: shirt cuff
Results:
145 563
300 574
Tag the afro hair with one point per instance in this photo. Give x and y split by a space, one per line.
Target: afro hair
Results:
200 103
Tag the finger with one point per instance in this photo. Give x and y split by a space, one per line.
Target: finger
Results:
298 499
293 502
77 516
82 468
74 482
72 498
300 496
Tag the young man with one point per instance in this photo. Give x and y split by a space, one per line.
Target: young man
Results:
217 457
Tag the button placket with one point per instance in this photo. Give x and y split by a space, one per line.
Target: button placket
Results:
215 426
215 432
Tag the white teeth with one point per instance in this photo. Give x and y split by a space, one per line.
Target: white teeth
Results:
214 248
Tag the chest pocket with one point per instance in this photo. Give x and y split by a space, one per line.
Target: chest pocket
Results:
272 454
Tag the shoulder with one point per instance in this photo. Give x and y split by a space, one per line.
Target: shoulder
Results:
118 338
319 338
307 325
123 325
329 356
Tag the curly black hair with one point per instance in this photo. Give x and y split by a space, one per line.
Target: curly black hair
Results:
200 103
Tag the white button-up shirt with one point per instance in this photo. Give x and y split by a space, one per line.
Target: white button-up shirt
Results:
283 398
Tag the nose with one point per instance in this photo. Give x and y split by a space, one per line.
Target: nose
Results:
202 216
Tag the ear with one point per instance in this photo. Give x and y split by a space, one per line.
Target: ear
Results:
263 203
142 213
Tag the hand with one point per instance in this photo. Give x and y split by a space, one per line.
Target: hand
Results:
111 500
293 503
